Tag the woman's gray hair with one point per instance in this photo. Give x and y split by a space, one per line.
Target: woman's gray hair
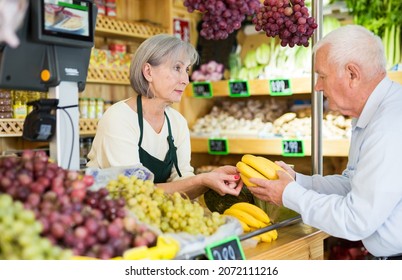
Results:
155 51
354 43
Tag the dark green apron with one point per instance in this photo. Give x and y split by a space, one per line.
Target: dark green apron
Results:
160 169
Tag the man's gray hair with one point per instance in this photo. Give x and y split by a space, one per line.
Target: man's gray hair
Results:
354 43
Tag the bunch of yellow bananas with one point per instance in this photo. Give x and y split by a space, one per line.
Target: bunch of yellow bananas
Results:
252 217
252 166
166 249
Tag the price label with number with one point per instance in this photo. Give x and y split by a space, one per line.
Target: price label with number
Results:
218 146
238 89
202 89
227 249
293 148
280 87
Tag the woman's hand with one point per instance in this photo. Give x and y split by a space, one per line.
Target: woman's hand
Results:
224 180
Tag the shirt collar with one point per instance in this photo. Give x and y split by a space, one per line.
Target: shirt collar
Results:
373 102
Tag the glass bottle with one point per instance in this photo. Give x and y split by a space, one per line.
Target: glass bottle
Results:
20 105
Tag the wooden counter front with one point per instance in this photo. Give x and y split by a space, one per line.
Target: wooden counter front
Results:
295 242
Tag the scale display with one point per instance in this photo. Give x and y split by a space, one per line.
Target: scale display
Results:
63 22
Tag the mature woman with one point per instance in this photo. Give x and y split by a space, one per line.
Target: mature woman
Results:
145 129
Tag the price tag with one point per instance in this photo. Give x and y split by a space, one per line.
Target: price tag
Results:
227 249
238 89
280 87
293 148
202 89
218 146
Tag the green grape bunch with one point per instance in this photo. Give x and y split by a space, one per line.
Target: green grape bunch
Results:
171 213
20 237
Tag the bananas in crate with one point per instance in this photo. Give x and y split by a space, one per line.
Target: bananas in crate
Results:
251 217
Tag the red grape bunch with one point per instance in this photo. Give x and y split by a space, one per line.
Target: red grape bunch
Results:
221 17
287 19
70 215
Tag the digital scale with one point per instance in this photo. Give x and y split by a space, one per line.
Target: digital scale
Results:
56 39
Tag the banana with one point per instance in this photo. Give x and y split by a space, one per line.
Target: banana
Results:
268 236
244 217
253 210
265 237
136 253
245 226
274 234
166 248
262 165
249 172
246 181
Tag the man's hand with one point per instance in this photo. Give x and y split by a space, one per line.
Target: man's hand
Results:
271 190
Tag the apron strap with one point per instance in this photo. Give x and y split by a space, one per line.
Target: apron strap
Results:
172 147
140 120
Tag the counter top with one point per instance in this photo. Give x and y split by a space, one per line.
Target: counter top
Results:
295 242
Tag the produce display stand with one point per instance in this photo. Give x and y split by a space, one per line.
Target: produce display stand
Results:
296 241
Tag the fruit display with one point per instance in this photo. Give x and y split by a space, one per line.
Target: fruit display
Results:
243 117
252 217
70 216
171 213
211 71
221 17
298 125
268 119
287 19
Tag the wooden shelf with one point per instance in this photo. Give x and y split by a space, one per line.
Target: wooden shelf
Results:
295 242
261 87
107 76
121 29
256 87
331 147
14 127
243 145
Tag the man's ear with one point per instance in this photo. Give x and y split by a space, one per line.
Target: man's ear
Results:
353 72
147 72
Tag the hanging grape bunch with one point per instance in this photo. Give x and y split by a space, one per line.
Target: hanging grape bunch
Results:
221 17
287 19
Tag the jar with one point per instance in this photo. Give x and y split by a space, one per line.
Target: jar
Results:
83 148
99 107
92 108
88 144
83 106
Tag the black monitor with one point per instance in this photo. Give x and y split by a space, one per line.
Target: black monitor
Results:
61 46
68 23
